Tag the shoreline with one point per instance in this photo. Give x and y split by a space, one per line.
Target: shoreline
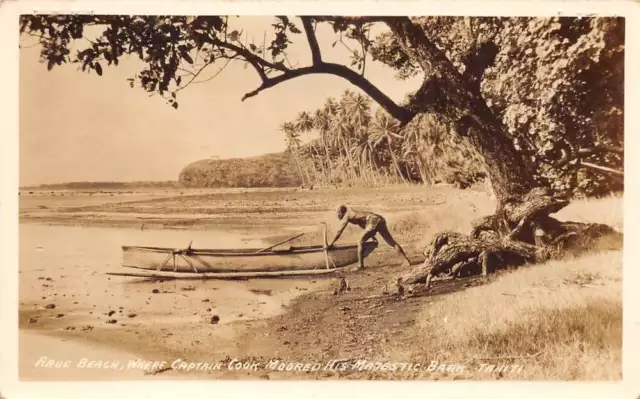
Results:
295 320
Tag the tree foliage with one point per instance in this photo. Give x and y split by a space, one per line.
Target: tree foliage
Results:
539 99
556 83
355 143
269 170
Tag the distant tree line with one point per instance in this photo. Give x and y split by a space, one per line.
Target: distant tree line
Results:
347 142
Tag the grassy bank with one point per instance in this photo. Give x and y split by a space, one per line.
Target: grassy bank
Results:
561 320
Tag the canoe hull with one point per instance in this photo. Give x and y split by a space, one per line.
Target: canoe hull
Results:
244 260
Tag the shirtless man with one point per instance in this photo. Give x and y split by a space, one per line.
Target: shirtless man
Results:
372 225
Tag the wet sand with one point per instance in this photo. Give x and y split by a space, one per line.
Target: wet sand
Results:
64 293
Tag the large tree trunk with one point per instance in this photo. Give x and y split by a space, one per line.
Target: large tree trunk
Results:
453 96
521 229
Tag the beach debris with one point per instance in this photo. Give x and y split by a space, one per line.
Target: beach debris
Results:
155 291
214 319
343 285
261 292
241 315
87 328
112 321
208 309
50 306
131 315
281 328
111 313
206 300
69 328
60 315
189 288
33 320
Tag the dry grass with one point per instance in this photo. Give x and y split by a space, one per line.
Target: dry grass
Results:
568 314
606 210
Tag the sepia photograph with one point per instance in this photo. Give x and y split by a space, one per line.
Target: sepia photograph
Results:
320 197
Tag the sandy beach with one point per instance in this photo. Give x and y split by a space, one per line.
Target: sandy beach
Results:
70 310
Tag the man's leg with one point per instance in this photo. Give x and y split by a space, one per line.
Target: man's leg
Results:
386 235
368 233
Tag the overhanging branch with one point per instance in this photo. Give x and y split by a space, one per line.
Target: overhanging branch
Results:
403 114
252 58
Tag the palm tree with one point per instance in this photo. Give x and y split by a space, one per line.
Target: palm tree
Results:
304 123
292 140
413 146
384 128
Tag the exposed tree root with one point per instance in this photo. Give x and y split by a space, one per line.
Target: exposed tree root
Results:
519 232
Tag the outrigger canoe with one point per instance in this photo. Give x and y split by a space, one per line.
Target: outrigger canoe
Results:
239 263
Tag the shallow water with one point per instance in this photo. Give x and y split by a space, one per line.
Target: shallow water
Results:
95 248
66 266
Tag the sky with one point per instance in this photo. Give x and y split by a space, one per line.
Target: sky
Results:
76 126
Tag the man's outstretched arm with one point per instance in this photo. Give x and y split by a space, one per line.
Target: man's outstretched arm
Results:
343 225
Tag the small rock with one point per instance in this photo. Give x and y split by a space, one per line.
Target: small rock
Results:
155 291
112 321
87 328
69 328
131 315
208 309
206 300
50 306
75 303
33 320
214 319
111 313
60 315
